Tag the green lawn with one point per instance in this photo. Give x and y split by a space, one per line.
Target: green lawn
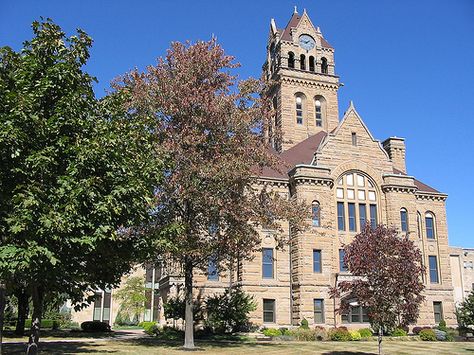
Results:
153 346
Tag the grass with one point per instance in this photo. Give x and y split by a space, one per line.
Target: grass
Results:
155 346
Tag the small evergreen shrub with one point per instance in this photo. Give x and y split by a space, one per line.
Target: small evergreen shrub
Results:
442 326
365 333
95 326
339 334
304 324
399 332
355 335
45 324
284 331
272 332
427 335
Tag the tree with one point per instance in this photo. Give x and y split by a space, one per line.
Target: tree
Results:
229 312
210 127
465 311
388 274
76 173
132 297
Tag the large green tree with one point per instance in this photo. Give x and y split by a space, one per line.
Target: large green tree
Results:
75 174
210 126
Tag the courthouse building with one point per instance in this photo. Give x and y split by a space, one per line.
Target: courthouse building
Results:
348 177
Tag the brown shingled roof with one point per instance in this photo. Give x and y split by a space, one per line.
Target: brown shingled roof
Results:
325 43
302 153
295 19
420 185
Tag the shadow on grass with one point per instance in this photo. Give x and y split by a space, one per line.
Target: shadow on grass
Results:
78 347
347 353
65 334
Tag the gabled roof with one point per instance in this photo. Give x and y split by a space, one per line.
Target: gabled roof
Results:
420 185
302 153
294 21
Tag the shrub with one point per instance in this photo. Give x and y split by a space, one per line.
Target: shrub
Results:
339 334
427 335
365 333
320 333
284 331
229 312
272 332
149 327
442 326
303 334
399 332
355 335
304 324
417 330
45 323
95 326
449 337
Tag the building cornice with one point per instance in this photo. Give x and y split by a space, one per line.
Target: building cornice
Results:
431 196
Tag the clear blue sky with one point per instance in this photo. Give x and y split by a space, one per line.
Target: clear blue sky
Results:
408 65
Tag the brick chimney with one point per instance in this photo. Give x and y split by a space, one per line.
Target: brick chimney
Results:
395 148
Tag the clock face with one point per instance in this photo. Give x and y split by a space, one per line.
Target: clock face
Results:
307 42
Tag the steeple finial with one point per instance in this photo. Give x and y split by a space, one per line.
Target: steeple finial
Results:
351 105
296 11
304 10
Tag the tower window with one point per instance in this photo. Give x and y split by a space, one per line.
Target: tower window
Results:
429 223
316 214
299 110
324 65
433 264
302 62
311 63
354 139
319 113
291 60
404 219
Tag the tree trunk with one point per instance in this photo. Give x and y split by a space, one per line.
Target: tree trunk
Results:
33 342
380 339
2 313
189 318
22 297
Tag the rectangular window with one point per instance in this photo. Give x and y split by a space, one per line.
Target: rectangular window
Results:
319 117
357 314
317 261
299 110
362 215
315 214
268 311
107 302
342 264
352 217
340 216
429 228
267 263
318 311
373 216
404 220
354 139
433 262
438 311
212 273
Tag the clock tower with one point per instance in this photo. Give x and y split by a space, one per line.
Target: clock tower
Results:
301 63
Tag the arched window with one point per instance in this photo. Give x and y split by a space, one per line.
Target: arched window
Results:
319 114
311 63
430 225
404 219
299 109
302 62
356 202
316 214
319 110
291 60
324 65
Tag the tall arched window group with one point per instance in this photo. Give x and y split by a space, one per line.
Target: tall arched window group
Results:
429 221
356 202
311 65
319 109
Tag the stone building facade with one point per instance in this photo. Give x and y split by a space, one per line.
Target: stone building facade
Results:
348 177
462 268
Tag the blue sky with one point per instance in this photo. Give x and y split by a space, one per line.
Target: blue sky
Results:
408 65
